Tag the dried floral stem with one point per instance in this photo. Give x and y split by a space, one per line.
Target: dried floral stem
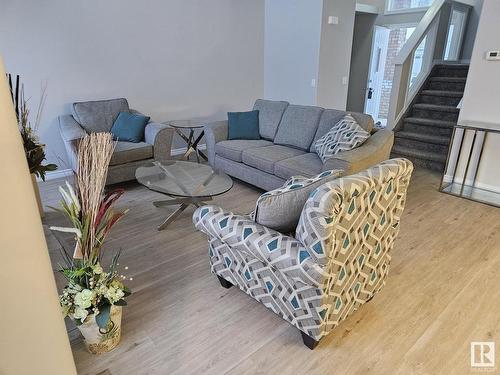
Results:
94 154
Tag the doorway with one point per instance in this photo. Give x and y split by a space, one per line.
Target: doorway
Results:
387 42
376 72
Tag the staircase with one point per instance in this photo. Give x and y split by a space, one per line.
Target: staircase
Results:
425 132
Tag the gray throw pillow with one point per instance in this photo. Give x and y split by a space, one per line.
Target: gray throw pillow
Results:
280 209
345 135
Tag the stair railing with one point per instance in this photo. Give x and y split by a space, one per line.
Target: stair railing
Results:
428 43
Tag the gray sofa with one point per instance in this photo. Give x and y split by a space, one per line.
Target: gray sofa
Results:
99 116
286 147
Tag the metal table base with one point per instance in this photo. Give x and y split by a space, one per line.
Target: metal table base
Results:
183 204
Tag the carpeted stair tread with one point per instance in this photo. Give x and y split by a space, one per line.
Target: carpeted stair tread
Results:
424 135
449 79
427 138
435 107
453 65
453 94
424 155
430 122
422 163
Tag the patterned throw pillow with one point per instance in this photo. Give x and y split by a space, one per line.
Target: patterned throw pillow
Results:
280 209
343 136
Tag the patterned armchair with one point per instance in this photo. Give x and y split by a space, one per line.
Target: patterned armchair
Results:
337 261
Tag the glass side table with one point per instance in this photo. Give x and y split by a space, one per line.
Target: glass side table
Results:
180 127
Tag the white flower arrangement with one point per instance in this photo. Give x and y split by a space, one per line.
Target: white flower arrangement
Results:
91 292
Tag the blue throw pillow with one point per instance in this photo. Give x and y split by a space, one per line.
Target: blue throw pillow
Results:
129 127
243 125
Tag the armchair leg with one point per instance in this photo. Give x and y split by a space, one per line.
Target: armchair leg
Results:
308 340
225 284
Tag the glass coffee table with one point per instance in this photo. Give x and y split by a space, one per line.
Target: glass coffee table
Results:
184 182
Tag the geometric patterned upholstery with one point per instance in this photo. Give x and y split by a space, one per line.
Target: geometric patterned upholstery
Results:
345 135
340 256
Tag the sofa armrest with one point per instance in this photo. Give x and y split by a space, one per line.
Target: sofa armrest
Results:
284 253
70 129
214 132
375 150
160 137
71 132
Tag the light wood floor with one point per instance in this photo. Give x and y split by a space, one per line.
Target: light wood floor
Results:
442 293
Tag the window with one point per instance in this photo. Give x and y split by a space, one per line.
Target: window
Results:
401 5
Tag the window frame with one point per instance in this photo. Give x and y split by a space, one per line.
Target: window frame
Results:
388 11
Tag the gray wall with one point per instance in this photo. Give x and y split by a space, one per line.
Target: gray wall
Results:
292 39
335 53
171 59
360 60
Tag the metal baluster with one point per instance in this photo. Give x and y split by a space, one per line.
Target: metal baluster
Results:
468 162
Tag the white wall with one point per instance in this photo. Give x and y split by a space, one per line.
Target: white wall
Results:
292 41
301 46
171 59
335 53
481 102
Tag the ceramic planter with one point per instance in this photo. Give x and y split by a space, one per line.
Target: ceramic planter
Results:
100 341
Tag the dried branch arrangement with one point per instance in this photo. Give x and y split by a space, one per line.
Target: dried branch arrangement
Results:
34 150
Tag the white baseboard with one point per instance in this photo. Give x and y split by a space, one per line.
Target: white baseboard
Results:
61 173
494 189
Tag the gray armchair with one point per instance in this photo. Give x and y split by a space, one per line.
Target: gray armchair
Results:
99 116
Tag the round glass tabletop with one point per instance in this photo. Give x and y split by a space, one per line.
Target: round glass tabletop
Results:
187 124
183 179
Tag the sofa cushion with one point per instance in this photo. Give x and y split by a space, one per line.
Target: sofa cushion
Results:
270 113
99 115
233 149
264 158
331 116
126 152
344 136
280 209
306 165
298 126
244 172
129 127
243 125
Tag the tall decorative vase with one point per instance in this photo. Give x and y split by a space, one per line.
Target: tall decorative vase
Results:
100 341
37 195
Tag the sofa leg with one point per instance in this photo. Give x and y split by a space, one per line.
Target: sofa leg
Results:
225 284
308 340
